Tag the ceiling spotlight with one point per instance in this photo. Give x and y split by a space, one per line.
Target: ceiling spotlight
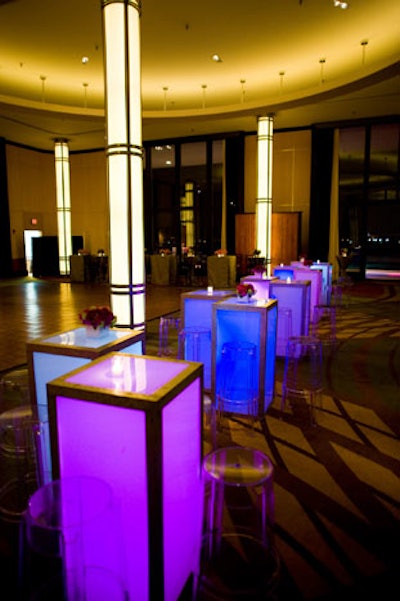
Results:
341 4
216 58
85 60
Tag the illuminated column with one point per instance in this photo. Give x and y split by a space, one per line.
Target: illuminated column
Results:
63 200
264 189
187 215
121 34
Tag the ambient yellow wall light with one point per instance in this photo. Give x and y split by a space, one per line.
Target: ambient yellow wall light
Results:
63 201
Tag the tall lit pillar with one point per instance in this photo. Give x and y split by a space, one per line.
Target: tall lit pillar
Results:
121 34
264 188
63 201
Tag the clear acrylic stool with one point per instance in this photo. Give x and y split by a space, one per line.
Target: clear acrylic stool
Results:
324 326
237 389
166 324
302 379
71 543
21 440
194 344
238 559
284 329
14 388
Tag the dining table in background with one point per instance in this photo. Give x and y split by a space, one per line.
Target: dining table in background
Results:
163 269
221 271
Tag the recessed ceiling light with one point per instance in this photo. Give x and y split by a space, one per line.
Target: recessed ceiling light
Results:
341 4
216 58
85 59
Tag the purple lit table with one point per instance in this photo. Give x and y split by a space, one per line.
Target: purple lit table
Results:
294 295
196 311
59 353
254 322
136 422
261 285
314 276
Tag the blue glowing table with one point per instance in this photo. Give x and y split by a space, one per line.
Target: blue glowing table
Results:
254 322
136 422
196 311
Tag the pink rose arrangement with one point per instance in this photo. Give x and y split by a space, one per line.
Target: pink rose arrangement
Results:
243 290
98 317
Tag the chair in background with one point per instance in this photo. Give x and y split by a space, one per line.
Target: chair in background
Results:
199 273
168 329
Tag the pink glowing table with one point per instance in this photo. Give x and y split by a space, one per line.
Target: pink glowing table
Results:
136 422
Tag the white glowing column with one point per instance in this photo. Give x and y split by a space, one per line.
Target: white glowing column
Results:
63 200
121 32
264 189
187 208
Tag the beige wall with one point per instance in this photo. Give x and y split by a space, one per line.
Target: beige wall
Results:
32 194
89 206
291 175
31 189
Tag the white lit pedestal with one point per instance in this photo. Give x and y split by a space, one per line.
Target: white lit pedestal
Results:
261 285
60 353
136 422
294 295
253 322
326 269
196 311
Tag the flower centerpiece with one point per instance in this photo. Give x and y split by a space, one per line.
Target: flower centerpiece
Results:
244 291
221 252
97 319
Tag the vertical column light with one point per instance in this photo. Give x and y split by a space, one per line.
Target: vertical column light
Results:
121 34
63 200
264 188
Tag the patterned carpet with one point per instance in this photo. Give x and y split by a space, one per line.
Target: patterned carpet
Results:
337 486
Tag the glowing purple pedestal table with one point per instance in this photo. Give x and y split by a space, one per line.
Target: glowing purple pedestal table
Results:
196 312
58 354
261 285
294 295
136 423
314 276
254 322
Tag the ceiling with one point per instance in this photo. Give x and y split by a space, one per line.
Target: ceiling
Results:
306 61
